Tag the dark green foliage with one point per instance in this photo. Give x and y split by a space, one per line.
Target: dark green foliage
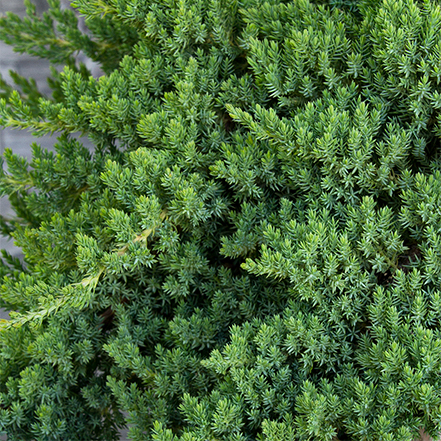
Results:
253 249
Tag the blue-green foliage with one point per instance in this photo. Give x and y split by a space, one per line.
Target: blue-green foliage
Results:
253 249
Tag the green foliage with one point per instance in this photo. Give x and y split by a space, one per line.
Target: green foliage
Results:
252 251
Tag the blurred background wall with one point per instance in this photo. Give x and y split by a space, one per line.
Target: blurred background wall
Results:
20 140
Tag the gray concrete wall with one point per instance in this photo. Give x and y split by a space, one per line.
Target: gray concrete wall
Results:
20 141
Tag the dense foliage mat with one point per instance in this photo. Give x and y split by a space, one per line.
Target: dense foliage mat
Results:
252 251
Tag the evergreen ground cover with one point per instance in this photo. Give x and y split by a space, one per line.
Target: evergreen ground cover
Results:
253 249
